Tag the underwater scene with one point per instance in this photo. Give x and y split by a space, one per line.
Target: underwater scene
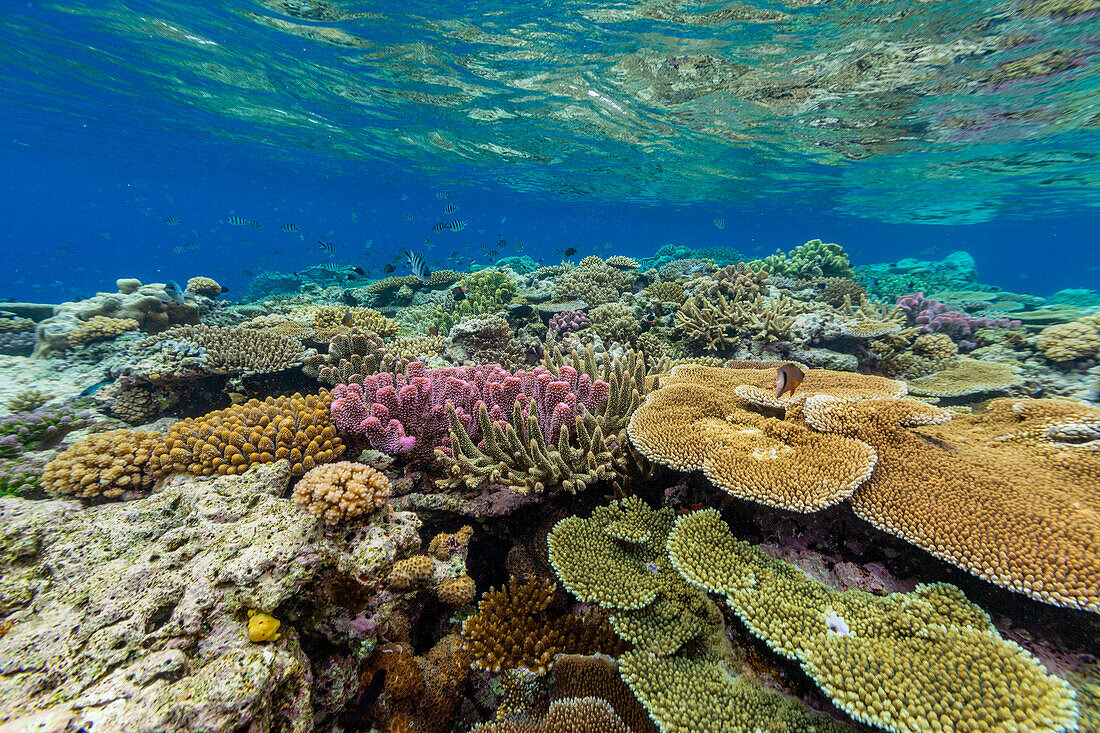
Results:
559 366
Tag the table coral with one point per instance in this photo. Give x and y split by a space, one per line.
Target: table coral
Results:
340 491
229 441
703 418
907 662
967 377
1009 494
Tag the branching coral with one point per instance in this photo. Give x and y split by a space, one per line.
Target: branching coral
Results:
104 465
340 491
514 628
615 322
328 320
229 441
594 282
101 328
734 282
812 259
224 349
926 660
351 357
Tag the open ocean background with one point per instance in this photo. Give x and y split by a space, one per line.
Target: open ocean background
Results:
120 114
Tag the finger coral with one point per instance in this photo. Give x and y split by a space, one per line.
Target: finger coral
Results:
340 491
907 662
229 441
101 328
104 465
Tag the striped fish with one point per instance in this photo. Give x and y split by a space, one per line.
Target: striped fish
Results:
417 265
443 195
290 228
450 226
327 246
255 224
450 208
236 221
171 220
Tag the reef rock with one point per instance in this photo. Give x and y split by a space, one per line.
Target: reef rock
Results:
134 616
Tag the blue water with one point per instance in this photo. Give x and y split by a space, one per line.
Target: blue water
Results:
118 115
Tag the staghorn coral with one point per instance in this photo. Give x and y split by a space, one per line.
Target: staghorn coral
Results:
224 349
1068 341
709 418
734 282
967 377
514 628
708 325
1009 494
615 322
229 441
104 465
812 259
100 328
204 286
593 281
907 662
337 492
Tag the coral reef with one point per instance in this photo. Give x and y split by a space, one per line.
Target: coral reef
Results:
220 350
104 465
593 281
340 491
812 259
564 323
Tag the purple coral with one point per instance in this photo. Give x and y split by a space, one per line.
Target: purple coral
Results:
933 316
567 322
407 414
44 426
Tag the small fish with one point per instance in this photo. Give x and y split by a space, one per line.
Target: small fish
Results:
288 227
172 220
428 242
404 197
457 225
434 330
570 252
439 226
367 244
458 292
409 217
519 246
236 398
450 208
64 250
177 250
388 269
354 217
454 254
327 246
248 273
348 319
503 219
492 254
236 221
787 379
256 224
443 195
173 290
417 265
719 222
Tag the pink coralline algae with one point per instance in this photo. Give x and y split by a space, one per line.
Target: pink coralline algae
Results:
567 322
406 414
932 316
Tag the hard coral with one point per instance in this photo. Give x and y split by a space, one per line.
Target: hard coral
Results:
812 259
343 490
593 281
225 349
104 465
229 441
908 663
204 286
564 323
1068 341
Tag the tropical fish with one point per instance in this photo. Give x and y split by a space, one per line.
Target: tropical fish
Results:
172 220
417 265
354 217
236 221
288 227
388 269
255 224
173 290
434 331
450 208
367 244
443 195
458 292
570 252
720 222
457 225
492 254
409 217
348 319
787 379
327 247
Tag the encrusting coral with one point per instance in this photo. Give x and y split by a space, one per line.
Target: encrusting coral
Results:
229 441
340 491
907 662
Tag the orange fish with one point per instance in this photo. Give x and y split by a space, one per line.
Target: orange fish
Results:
788 379
434 330
348 319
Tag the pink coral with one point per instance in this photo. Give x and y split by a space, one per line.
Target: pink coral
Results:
567 322
933 317
407 414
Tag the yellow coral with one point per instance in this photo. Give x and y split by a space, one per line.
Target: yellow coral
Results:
1068 341
205 286
343 490
105 464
